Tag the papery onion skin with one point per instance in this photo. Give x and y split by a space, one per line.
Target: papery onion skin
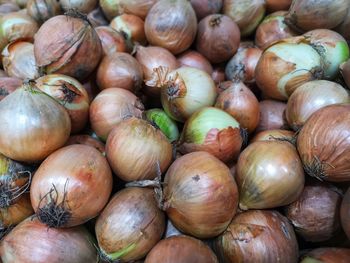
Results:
328 254
130 225
192 58
345 71
345 213
131 26
203 8
196 187
97 18
111 40
272 135
266 178
271 115
86 140
323 143
143 147
8 85
42 10
310 97
75 181
110 107
171 24
83 6
33 242
181 249
258 237
277 5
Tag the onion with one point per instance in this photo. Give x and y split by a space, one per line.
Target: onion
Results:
111 40
247 14
8 85
274 135
181 249
285 66
329 254
212 130
204 8
241 103
36 125
272 29
342 28
196 188
266 178
143 147
130 225
258 236
9 7
323 143
184 91
72 49
218 74
32 242
171 24
345 213
194 59
131 26
86 140
110 107
277 5
345 71
42 10
119 70
271 115
307 15
83 6
71 186
97 18
217 38
70 94
310 97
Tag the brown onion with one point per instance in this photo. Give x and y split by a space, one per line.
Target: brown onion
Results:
329 254
73 48
258 236
83 6
271 115
33 242
204 8
97 18
130 225
218 38
272 135
196 188
143 148
110 107
323 143
241 103
342 28
247 14
8 85
218 74
111 40
194 59
131 26
9 7
345 71
182 249
266 178
310 97
119 70
42 10
345 213
86 140
171 24
277 5
71 186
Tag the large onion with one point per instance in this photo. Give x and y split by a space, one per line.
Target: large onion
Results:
266 178
111 40
8 85
130 225
323 143
196 188
329 254
271 115
83 6
71 186
345 213
42 10
171 24
131 26
194 59
258 236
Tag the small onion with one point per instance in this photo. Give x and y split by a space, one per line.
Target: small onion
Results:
130 26
130 225
110 107
182 249
345 71
111 40
83 6
8 85
196 188
247 14
345 213
329 254
310 97
194 59
323 143
119 70
271 115
86 140
272 135
171 24
258 236
97 18
143 148
266 178
8 7
203 8
240 102
71 186
42 10
277 5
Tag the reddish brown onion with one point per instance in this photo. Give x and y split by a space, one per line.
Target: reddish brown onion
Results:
277 5
111 40
345 213
272 135
329 254
42 10
204 8
345 71
194 59
83 6
131 26
8 85
271 115
86 140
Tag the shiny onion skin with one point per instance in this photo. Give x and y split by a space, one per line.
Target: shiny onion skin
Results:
271 115
111 40
196 188
203 8
345 71
310 97
83 6
277 5
73 48
130 26
258 236
8 85
184 249
71 186
110 107
71 94
42 10
130 225
345 213
171 24
266 178
97 18
323 143
327 254
218 38
143 147
33 242
87 140
274 135
194 59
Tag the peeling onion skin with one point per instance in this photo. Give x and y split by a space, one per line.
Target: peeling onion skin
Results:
8 85
273 135
324 150
328 254
184 249
196 181
266 178
130 225
345 213
33 242
258 236
345 71
42 10
271 115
